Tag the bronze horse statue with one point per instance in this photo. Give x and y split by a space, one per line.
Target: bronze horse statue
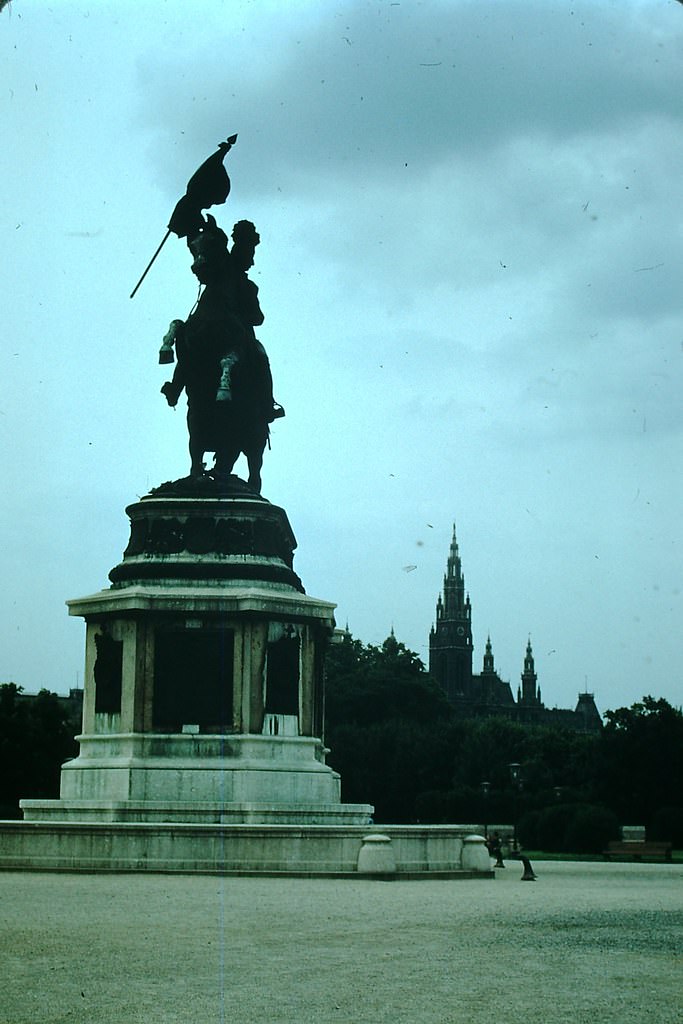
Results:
222 367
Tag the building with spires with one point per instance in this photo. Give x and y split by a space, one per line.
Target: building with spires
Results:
486 694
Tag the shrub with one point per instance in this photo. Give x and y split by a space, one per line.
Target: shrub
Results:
569 828
529 832
546 829
667 826
590 829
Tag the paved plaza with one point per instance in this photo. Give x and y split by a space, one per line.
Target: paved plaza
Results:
586 943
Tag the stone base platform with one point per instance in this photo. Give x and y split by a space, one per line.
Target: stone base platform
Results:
414 851
198 812
246 779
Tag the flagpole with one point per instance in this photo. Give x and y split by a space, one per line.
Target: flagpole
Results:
196 187
144 275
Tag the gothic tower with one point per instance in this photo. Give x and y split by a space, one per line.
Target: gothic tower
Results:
450 638
485 693
530 694
488 679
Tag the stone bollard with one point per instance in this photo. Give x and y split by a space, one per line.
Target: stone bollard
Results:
475 856
376 856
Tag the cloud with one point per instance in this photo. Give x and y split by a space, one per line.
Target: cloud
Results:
365 89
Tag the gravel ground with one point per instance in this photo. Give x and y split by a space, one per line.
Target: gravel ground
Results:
584 943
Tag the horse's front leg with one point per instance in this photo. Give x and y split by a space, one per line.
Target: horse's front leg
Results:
226 459
255 462
196 457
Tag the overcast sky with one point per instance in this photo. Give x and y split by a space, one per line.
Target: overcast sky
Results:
470 266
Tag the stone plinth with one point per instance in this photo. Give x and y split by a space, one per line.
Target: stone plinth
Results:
203 696
199 530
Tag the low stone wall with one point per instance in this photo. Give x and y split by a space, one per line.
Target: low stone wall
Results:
240 849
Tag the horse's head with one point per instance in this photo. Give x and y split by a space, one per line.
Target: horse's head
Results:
210 251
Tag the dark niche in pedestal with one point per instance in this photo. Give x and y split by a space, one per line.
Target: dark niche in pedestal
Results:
108 674
193 680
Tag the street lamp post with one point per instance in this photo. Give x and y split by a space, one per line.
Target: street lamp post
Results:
485 787
516 786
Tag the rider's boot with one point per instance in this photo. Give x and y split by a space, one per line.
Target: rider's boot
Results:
224 393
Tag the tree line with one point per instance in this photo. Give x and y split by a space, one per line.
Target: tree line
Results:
399 745
36 738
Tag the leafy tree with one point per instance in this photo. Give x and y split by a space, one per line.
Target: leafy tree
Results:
368 684
590 829
36 737
550 758
569 828
641 760
667 824
388 726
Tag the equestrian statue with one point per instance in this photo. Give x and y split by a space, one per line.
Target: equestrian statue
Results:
221 365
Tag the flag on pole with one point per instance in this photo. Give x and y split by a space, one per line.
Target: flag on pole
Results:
208 186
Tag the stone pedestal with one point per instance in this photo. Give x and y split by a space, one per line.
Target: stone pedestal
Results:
203 695
202 744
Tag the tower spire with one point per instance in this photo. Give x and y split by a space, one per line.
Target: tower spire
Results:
450 643
530 694
456 601
488 656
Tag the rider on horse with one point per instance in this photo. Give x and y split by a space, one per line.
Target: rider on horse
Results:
223 368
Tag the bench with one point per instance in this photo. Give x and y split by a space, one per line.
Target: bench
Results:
638 850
